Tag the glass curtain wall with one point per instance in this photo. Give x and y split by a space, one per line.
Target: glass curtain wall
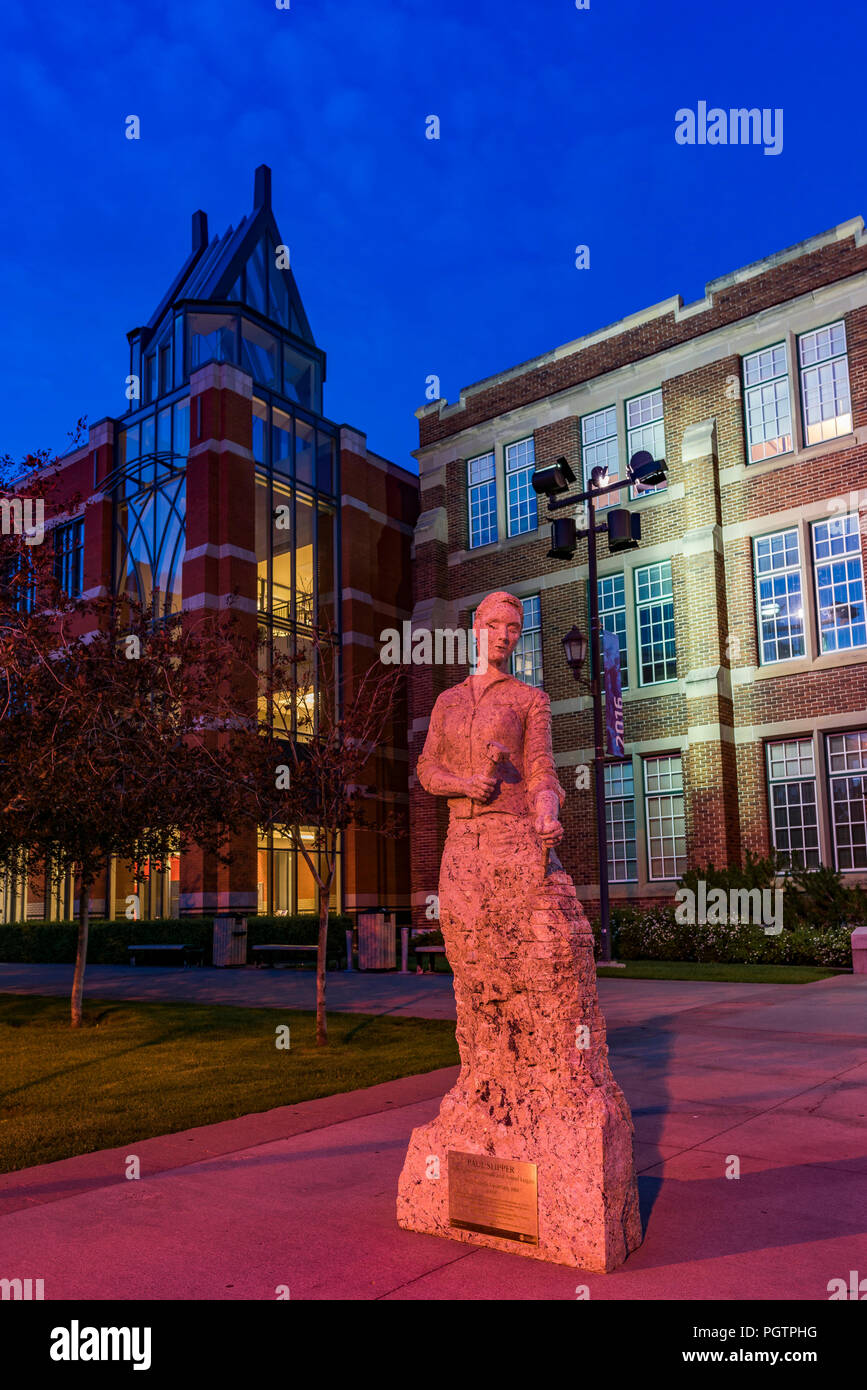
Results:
296 548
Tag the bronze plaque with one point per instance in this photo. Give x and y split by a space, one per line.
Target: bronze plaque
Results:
495 1196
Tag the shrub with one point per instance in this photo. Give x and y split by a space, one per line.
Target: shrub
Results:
45 943
654 934
816 898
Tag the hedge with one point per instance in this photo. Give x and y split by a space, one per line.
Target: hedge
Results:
53 943
656 935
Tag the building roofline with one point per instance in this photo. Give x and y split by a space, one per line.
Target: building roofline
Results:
853 228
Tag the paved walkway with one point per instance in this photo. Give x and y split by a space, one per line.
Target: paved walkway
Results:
304 1195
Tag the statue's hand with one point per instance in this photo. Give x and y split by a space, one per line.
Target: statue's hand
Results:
480 787
548 828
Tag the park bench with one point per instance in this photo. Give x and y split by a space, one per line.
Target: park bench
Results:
270 954
187 955
430 952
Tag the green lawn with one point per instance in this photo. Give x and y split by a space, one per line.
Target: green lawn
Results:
136 1070
738 974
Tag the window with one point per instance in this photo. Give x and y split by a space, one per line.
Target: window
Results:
482 484
620 820
150 375
527 656
847 773
520 466
612 617
792 797
766 403
657 653
69 557
212 338
779 600
645 430
260 355
825 383
165 369
260 429
178 354
599 449
839 583
666 829
301 378
281 441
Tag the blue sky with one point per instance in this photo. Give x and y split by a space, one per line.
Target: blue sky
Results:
414 257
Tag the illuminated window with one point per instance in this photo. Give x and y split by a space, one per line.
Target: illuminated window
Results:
779 599
766 403
825 383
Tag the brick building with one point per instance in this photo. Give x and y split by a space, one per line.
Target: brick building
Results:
187 495
741 615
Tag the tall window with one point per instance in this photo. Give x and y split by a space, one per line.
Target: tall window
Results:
839 583
847 773
792 797
69 557
620 820
520 466
612 617
779 599
645 430
482 487
825 383
766 403
527 656
666 827
599 448
657 653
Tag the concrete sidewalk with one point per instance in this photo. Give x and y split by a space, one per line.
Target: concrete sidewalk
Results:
304 1196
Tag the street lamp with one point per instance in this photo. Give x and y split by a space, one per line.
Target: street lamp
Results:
575 647
624 533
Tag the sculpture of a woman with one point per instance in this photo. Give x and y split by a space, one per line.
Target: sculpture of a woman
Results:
534 1085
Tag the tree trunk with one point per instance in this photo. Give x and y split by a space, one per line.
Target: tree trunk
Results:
81 952
321 960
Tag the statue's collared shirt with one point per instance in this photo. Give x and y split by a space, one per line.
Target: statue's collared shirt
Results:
473 715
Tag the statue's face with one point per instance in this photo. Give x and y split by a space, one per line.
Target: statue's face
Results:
501 629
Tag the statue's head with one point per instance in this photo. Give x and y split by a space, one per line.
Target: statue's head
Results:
497 626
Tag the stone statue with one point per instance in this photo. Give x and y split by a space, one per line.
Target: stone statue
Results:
535 1086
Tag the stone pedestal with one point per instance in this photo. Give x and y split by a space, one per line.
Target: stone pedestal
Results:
535 1085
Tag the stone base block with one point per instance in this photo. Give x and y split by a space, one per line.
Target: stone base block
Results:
587 1197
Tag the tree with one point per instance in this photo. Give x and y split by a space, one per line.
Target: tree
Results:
113 731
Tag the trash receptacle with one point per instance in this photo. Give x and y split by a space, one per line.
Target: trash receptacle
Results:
376 941
230 941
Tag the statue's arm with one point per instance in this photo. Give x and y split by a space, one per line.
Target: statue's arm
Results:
431 770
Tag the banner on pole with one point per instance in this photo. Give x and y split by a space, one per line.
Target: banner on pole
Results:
613 695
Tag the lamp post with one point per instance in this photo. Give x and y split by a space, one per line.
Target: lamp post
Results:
624 533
